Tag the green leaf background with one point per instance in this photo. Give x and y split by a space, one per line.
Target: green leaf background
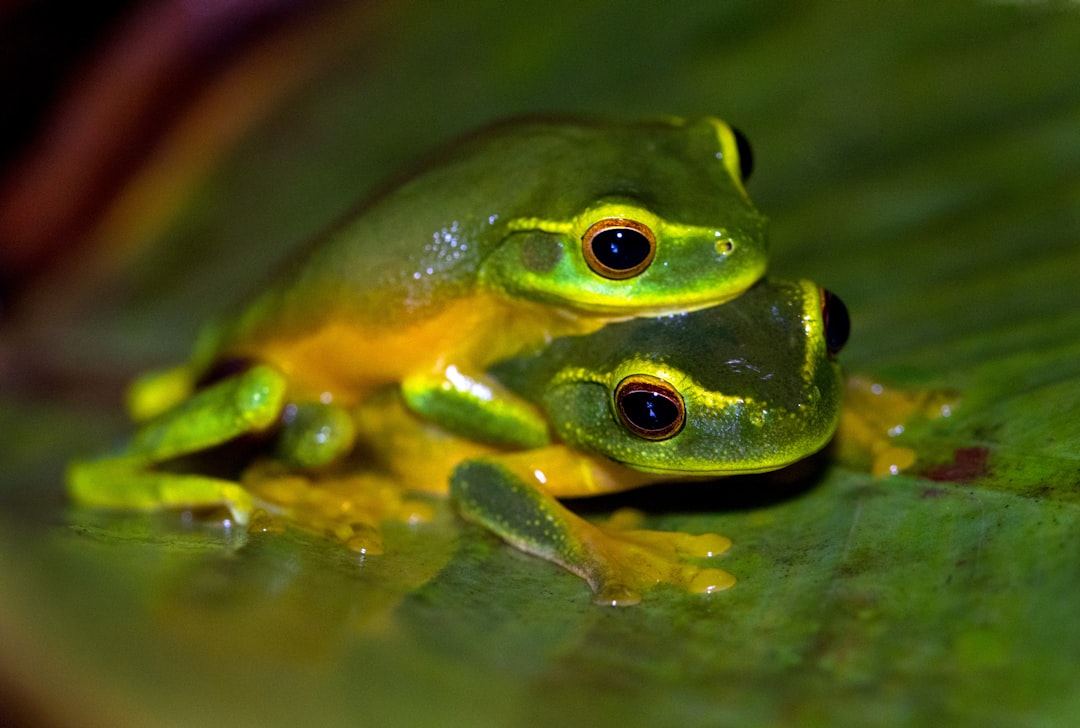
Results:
921 160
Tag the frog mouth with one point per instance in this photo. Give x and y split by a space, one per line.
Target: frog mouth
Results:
614 313
689 473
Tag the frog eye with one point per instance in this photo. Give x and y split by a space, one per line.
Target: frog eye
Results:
617 248
650 407
837 321
746 154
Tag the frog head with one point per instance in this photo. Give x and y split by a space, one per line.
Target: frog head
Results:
748 386
635 219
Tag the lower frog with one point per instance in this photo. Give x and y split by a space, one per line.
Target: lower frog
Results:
744 387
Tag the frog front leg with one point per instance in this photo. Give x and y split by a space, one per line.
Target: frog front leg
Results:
477 408
506 494
249 402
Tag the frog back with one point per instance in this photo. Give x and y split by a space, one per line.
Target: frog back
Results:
424 240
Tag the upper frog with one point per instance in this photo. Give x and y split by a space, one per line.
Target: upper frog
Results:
618 219
518 234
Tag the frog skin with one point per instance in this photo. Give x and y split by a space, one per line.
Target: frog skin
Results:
522 233
744 387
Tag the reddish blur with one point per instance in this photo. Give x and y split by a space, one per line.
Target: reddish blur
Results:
90 97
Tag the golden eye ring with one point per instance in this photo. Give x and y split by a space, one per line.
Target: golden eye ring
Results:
618 248
649 407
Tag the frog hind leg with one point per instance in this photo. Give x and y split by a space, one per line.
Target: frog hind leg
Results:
617 563
250 402
333 470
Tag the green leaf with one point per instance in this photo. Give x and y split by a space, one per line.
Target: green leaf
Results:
920 161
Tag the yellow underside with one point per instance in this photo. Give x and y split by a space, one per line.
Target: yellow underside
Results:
347 359
424 456
404 457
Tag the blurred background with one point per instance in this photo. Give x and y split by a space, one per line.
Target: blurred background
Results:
159 158
92 94
115 116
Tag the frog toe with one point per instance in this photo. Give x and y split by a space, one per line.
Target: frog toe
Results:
616 595
619 562
640 560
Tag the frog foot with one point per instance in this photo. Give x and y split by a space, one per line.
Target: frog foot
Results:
124 482
619 563
349 509
875 414
622 564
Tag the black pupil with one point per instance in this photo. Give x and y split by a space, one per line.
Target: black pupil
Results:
746 154
620 248
837 321
649 410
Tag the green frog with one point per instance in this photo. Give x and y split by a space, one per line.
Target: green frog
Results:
747 386
521 233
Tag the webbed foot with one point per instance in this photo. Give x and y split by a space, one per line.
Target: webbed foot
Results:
619 564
